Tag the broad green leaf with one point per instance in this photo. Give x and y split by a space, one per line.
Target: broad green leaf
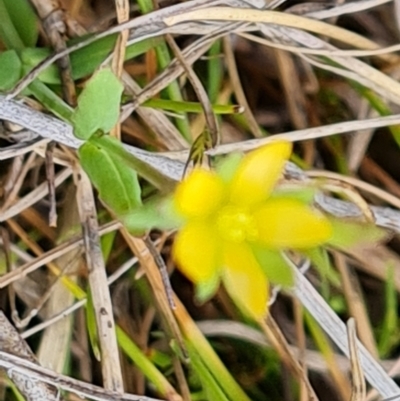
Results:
115 149
157 213
10 69
274 266
24 20
117 184
98 105
347 234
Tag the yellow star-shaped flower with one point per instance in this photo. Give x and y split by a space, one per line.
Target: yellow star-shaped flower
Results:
228 217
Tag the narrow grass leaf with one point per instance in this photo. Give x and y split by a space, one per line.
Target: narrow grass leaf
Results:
389 336
10 69
91 326
8 33
211 387
84 61
24 19
320 260
51 100
144 364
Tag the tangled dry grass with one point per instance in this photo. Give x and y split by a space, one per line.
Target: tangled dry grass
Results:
324 76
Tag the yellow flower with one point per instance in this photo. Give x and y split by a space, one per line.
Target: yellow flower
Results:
228 217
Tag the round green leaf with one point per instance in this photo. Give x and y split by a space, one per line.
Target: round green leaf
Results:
98 105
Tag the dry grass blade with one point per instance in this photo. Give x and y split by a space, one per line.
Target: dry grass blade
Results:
279 100
30 387
35 195
110 363
278 341
20 149
328 52
153 20
238 89
347 8
50 180
352 293
309 133
36 374
146 260
15 180
117 64
166 132
54 346
359 184
49 256
294 95
358 387
53 22
336 329
273 17
200 93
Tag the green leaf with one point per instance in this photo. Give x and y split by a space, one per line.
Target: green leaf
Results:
305 194
32 56
388 331
347 234
206 289
156 213
91 326
117 184
115 149
98 105
320 260
8 33
10 69
24 20
274 266
143 363
226 168
83 61
212 387
51 100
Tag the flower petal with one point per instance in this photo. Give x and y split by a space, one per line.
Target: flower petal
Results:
258 172
200 194
196 251
288 223
244 280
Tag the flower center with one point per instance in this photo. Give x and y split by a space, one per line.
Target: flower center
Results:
236 224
